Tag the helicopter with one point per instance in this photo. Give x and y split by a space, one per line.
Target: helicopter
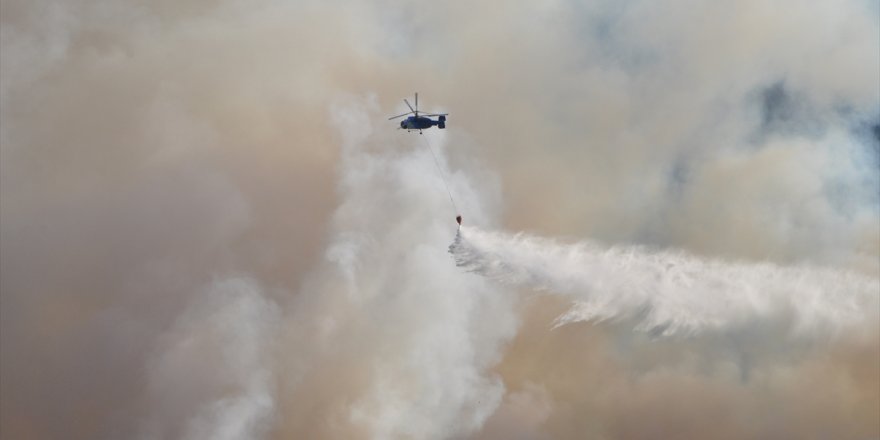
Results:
422 122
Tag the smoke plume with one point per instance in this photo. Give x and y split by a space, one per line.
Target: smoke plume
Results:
209 228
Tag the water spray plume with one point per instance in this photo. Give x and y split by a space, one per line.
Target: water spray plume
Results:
670 292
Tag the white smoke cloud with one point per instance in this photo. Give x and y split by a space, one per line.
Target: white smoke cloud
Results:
213 375
389 305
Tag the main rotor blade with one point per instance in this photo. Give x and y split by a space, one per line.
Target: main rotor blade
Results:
417 101
407 104
435 114
398 116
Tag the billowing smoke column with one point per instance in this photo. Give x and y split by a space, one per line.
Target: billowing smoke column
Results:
669 292
226 335
388 337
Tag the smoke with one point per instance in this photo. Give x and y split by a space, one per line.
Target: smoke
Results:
226 335
386 311
667 292
208 227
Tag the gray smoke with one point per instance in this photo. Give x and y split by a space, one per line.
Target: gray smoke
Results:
208 227
225 339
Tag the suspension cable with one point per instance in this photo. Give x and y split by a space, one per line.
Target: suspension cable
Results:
442 175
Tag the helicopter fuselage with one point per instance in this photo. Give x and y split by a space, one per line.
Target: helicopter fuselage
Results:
422 122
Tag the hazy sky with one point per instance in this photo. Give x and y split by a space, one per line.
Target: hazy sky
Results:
209 229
